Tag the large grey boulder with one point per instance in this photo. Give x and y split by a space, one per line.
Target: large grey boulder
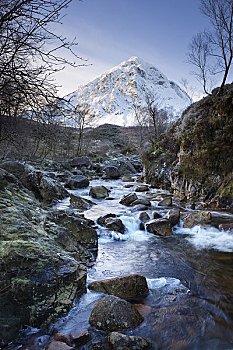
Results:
111 172
197 218
128 199
115 224
79 162
77 181
161 227
112 314
129 287
99 192
173 216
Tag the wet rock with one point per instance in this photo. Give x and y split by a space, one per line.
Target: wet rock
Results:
166 202
77 181
173 216
127 178
226 227
80 337
61 337
128 199
80 203
58 345
156 215
161 227
99 192
114 224
144 216
101 219
112 314
111 172
142 201
197 218
129 287
142 188
120 341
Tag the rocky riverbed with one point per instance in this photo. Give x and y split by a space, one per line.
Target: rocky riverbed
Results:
162 277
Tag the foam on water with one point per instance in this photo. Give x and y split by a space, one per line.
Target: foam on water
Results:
208 238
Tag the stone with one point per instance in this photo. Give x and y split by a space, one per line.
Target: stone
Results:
80 203
128 199
142 188
161 227
115 224
197 218
111 172
144 216
58 345
99 192
166 202
62 338
173 216
129 287
226 226
156 215
77 181
120 341
79 162
112 314
101 219
142 201
80 336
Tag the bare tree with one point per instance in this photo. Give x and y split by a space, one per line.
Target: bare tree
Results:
30 54
212 52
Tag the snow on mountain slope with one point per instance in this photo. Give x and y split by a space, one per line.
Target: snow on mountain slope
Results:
111 96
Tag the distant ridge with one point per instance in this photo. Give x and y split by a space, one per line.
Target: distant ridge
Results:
112 94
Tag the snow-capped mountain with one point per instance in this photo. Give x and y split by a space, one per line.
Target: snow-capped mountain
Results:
111 96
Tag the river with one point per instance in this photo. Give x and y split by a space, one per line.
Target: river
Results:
190 276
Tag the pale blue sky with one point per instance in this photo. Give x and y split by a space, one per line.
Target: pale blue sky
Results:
111 31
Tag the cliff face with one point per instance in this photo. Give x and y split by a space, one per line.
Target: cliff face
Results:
194 157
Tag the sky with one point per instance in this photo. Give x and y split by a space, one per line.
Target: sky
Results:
111 31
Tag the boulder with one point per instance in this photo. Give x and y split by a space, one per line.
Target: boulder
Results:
80 203
166 202
114 224
79 162
43 187
156 215
144 216
99 192
101 219
143 201
129 287
128 199
121 341
142 188
77 181
111 172
197 218
161 227
173 216
80 336
112 314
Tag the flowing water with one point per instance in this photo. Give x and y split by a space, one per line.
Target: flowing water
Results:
190 276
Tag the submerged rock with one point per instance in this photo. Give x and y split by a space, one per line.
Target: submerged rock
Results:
99 192
161 227
120 341
112 313
129 287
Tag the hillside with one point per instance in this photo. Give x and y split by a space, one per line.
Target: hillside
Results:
112 95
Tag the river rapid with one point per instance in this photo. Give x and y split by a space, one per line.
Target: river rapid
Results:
190 277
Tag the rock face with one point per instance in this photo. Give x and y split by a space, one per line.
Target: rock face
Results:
112 314
120 341
130 287
161 227
42 259
128 199
77 181
99 192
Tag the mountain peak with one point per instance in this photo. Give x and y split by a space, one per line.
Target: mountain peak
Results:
112 95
